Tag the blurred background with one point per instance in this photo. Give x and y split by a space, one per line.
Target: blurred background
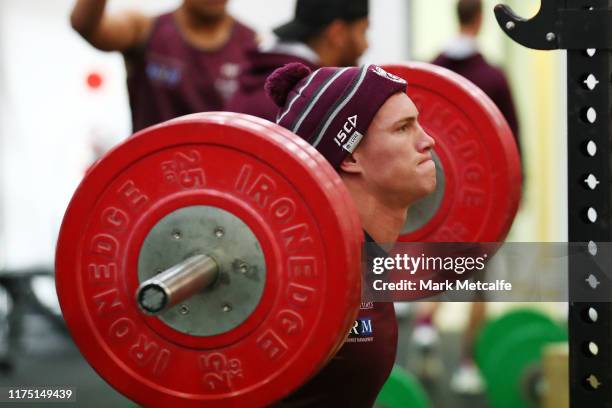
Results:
62 104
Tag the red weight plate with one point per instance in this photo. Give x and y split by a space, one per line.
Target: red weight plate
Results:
350 217
281 344
478 155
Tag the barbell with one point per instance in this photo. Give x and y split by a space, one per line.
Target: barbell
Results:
215 259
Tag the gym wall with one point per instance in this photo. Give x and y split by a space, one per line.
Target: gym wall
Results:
51 120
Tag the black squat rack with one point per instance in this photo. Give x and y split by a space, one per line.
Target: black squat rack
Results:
584 29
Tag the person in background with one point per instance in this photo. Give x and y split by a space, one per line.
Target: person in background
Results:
322 33
178 63
462 56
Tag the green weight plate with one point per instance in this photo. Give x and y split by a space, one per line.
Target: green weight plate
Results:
402 390
511 357
499 328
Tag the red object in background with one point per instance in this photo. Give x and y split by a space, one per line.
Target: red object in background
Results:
94 80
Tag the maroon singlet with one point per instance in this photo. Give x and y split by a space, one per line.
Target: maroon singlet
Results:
169 77
354 376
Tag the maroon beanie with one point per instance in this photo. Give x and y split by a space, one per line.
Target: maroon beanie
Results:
331 108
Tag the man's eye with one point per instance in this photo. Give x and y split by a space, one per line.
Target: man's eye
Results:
403 128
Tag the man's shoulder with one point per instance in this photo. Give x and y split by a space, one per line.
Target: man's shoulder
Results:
244 29
497 76
264 62
163 20
244 36
487 74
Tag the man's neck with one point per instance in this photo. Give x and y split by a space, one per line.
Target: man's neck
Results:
382 220
327 57
468 31
202 32
384 224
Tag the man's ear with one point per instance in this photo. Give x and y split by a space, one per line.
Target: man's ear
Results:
350 165
336 32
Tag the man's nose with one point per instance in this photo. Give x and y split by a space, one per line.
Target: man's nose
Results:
426 142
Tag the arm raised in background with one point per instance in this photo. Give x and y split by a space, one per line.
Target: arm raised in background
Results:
118 32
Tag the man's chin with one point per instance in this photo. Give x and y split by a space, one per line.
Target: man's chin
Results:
212 14
427 189
428 184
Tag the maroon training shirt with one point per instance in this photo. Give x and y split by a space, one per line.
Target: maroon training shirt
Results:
169 77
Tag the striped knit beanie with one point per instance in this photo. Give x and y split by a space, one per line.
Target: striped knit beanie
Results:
331 108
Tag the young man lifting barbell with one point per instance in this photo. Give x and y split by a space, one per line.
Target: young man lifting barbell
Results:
364 124
214 259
